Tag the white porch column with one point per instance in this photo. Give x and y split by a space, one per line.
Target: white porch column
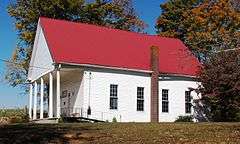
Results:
41 99
58 94
30 101
50 111
35 101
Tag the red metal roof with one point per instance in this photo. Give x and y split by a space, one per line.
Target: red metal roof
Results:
80 43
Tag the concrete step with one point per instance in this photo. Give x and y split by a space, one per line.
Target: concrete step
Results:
80 119
45 121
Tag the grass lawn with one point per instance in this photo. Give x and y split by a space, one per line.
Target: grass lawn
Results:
131 133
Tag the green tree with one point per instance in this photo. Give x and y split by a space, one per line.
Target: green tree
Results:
220 87
117 14
205 26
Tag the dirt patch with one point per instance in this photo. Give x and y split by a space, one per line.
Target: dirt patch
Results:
83 136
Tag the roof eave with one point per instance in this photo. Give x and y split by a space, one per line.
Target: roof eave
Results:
125 69
105 67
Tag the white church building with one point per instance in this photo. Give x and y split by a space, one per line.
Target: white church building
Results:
83 70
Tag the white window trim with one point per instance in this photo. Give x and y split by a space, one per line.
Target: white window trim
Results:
141 99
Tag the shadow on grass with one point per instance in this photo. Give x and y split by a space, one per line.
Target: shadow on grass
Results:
39 133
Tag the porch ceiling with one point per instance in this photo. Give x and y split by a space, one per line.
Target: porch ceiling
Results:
65 73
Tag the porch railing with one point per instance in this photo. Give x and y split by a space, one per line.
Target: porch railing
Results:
98 115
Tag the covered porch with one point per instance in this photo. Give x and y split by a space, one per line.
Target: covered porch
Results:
47 94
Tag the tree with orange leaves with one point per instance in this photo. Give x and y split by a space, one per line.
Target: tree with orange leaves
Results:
210 28
205 26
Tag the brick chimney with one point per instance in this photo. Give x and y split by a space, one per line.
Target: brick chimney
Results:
154 84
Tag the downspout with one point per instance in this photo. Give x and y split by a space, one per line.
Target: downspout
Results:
89 94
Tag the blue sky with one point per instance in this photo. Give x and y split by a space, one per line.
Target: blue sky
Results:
148 10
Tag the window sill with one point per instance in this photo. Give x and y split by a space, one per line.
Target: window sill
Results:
113 109
141 111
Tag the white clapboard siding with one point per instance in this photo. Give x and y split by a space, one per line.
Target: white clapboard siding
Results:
41 61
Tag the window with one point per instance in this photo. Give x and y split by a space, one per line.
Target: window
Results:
64 94
113 96
165 100
140 98
188 104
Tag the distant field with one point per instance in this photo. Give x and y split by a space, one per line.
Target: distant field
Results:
13 116
11 112
130 133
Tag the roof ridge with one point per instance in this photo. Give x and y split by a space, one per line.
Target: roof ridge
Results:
108 28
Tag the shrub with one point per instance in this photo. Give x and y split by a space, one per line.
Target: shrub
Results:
220 86
184 119
4 120
114 119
